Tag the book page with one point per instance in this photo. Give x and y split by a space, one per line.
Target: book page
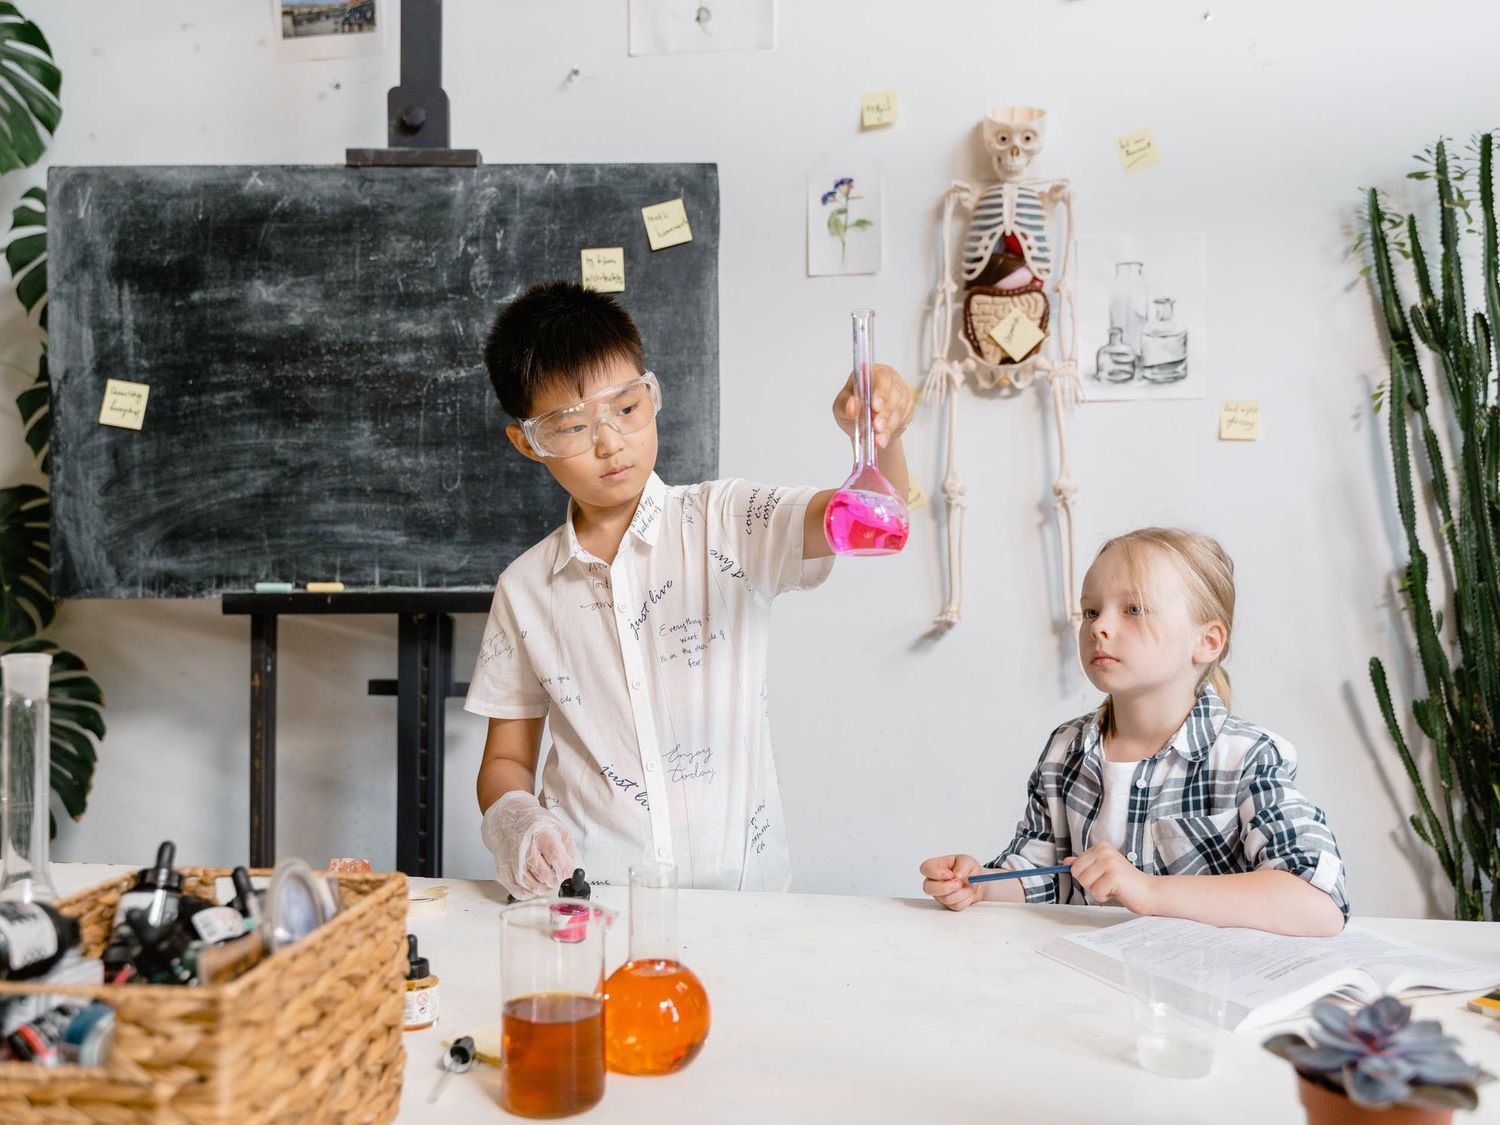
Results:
1273 976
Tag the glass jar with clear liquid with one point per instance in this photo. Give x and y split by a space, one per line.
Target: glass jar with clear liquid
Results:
865 516
656 1011
1163 356
25 777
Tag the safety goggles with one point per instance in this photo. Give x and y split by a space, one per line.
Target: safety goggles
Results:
574 429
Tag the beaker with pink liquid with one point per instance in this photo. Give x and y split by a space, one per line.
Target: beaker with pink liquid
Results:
866 516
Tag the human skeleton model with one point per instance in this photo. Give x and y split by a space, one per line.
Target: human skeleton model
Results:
1019 229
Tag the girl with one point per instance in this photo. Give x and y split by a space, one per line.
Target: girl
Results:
1162 801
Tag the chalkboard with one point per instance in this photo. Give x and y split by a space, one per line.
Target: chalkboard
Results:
312 339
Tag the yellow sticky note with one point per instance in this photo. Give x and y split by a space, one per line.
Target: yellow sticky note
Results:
666 224
915 497
880 108
604 269
1239 420
1137 150
1017 334
124 404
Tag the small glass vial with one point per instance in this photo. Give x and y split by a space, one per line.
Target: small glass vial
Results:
1163 356
656 1012
421 1008
1115 363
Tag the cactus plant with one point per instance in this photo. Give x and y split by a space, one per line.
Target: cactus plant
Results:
1460 821
1378 1056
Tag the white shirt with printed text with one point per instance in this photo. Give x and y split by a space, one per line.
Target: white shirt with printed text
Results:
651 672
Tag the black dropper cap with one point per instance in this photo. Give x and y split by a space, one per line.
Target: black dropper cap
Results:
160 947
416 967
246 901
163 875
575 887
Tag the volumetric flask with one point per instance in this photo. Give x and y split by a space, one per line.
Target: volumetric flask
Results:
865 516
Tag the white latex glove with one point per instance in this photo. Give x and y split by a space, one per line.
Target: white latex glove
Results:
533 850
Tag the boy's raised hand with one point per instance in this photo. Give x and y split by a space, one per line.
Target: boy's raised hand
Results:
945 878
1106 874
892 405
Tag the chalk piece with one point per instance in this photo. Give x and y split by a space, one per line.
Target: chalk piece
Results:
604 269
1018 335
274 587
325 587
880 108
1137 150
1239 420
124 404
666 224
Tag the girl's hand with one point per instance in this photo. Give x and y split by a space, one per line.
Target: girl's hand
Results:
946 879
1106 874
892 405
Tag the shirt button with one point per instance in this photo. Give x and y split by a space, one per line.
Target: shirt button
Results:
636 684
650 767
1130 856
621 610
1140 783
661 853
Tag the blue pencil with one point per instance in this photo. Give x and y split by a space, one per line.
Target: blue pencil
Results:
991 876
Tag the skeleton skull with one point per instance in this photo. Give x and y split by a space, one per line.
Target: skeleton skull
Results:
1013 137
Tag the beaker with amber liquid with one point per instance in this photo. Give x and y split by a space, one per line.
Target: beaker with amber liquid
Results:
655 1008
552 1007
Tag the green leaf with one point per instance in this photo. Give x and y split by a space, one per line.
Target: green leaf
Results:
77 722
862 224
30 91
26 252
1441 1097
836 225
26 605
35 407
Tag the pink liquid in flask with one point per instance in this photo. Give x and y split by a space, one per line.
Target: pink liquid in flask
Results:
865 523
865 516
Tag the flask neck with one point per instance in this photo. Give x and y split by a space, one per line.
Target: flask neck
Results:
653 912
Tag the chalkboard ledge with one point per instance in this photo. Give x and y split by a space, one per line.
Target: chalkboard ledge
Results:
363 601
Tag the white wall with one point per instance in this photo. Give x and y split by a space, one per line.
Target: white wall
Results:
891 747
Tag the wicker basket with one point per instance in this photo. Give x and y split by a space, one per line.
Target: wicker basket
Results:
311 1034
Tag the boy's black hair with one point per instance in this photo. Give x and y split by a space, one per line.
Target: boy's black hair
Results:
556 331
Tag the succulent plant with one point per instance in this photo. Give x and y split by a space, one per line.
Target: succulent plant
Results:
1379 1056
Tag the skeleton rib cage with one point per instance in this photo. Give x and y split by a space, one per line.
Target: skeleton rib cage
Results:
1008 209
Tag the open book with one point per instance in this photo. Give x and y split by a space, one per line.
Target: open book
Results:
1272 977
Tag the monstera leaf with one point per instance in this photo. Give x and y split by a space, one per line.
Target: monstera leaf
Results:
26 252
77 722
26 606
35 405
30 86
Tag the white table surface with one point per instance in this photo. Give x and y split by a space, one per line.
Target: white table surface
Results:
832 1009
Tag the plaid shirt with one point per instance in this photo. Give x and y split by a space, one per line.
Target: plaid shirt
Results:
1218 799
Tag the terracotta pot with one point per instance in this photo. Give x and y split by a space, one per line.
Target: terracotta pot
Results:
1324 1107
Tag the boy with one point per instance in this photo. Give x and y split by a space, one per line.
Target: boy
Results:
637 629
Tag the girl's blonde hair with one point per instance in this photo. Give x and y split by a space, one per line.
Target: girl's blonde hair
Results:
1207 577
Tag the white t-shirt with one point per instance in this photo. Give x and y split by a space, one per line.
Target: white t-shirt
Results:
1114 806
651 672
